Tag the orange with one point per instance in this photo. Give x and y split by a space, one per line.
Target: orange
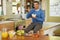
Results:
35 35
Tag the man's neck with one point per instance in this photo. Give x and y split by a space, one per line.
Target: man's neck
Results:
37 9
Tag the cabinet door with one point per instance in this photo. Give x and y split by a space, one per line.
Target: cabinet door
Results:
28 22
9 26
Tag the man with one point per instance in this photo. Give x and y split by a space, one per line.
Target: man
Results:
37 16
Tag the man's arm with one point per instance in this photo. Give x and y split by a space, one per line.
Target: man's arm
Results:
29 14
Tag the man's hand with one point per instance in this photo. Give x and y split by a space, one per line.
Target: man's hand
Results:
33 15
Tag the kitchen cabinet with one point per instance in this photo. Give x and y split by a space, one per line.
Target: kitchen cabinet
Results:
7 24
27 22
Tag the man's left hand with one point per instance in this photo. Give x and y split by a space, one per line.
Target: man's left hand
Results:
33 16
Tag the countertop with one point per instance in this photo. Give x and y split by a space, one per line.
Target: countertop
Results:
1 22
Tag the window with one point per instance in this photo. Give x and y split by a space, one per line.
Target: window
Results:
18 6
0 2
14 7
1 12
14 10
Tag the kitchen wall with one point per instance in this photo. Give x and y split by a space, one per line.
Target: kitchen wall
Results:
45 6
8 8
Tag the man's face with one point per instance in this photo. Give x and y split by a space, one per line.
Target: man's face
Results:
36 5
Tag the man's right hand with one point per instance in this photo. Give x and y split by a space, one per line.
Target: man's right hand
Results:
33 15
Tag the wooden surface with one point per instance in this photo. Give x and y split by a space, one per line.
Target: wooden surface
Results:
27 38
9 25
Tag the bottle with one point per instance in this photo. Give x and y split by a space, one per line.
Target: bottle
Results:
4 33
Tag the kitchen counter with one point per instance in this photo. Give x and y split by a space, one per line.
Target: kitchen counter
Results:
28 38
47 25
1 22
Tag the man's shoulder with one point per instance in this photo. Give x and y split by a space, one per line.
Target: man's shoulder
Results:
42 10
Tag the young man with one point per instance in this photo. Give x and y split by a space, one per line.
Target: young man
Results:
37 16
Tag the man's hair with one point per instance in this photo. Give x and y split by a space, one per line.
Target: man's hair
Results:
36 2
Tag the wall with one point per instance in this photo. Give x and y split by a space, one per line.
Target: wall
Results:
8 8
44 5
